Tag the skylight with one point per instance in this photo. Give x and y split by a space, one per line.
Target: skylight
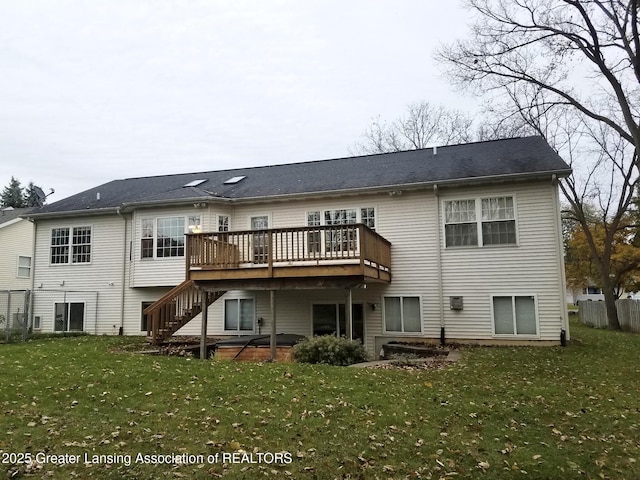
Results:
195 183
233 180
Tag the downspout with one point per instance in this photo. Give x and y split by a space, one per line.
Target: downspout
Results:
564 332
33 272
124 263
439 265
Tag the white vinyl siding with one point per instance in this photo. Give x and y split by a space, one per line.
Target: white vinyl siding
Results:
533 268
98 285
16 238
147 269
412 223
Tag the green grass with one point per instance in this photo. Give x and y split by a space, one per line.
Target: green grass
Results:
500 413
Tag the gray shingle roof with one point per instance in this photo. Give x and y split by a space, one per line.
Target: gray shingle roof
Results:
6 215
481 161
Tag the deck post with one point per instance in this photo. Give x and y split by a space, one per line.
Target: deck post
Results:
272 341
348 314
203 329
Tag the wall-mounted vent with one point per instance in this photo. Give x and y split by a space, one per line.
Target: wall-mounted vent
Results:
233 180
456 303
195 183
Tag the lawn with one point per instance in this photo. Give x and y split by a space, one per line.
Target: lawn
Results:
500 413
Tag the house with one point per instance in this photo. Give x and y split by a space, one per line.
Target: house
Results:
456 243
16 238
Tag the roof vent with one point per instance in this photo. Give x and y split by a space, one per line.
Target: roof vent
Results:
233 180
435 150
195 183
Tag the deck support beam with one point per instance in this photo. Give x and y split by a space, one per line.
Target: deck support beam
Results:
348 314
272 342
203 326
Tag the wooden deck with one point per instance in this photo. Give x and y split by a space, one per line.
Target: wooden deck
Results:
335 251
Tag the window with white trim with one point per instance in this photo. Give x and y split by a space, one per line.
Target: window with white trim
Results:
480 221
223 223
239 315
24 267
70 245
342 216
195 224
402 315
514 315
368 217
460 224
342 239
498 221
163 237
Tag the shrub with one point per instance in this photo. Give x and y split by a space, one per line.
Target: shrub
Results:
329 350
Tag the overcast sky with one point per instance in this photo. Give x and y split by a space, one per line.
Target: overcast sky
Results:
92 91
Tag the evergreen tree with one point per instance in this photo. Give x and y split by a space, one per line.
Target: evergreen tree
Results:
12 195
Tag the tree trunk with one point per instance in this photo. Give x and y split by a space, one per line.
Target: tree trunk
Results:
610 305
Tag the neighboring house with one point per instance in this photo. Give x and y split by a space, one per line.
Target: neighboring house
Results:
577 294
460 241
591 292
16 265
16 238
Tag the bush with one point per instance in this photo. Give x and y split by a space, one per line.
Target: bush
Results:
329 350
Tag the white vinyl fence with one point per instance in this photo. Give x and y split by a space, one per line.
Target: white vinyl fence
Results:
594 314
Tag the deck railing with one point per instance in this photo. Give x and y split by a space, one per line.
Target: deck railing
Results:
175 309
278 246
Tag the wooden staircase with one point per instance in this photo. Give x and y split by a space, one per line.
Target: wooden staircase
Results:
175 309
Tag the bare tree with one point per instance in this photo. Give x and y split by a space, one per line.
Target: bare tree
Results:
581 53
569 69
422 125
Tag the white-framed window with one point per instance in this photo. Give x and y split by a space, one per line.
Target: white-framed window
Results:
368 217
163 237
223 223
402 314
480 221
591 290
339 240
69 317
239 315
24 267
342 216
70 245
195 224
515 315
